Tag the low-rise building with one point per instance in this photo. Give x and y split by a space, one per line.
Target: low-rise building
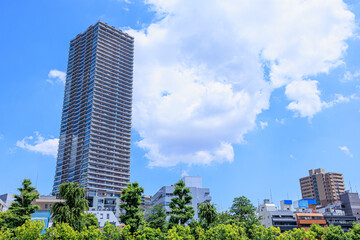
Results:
346 222
44 216
270 216
145 202
264 211
285 220
7 198
199 194
46 201
101 201
304 220
106 216
2 205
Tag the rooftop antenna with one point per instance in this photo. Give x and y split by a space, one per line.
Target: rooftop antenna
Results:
271 196
350 186
37 176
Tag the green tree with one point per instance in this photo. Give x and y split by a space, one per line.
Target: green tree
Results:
88 220
226 232
180 205
21 209
207 214
353 233
131 201
334 233
317 230
71 211
156 217
243 210
61 231
29 230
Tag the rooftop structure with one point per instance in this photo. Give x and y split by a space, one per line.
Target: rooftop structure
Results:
350 203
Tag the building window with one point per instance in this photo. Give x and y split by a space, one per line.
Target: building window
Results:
46 206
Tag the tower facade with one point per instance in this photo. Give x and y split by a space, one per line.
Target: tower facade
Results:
95 134
325 188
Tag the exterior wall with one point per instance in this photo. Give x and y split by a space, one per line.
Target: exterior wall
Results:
94 145
105 203
7 198
105 216
2 205
350 202
45 202
346 222
305 220
264 211
307 187
324 187
285 220
145 202
165 194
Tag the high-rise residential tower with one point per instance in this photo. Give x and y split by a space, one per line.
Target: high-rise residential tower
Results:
325 188
94 145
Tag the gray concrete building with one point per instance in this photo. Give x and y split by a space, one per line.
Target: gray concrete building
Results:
271 216
94 145
200 195
350 203
7 198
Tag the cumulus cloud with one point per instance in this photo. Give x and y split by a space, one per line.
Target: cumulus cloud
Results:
205 69
306 98
346 150
56 76
39 144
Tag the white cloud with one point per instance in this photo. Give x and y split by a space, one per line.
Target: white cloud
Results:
346 150
209 57
292 157
349 76
306 100
263 124
281 121
1 137
39 144
305 96
184 173
56 76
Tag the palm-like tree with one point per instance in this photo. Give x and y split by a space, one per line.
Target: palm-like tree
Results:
71 210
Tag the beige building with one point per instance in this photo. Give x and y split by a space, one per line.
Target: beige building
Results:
324 187
45 202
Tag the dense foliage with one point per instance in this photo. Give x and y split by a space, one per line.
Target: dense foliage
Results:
131 201
21 209
180 205
240 222
72 210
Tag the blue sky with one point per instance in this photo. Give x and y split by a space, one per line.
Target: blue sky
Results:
232 93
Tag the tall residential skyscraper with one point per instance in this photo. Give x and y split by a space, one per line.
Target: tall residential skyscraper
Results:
94 146
324 187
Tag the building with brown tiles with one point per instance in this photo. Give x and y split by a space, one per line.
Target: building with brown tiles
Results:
325 188
304 220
